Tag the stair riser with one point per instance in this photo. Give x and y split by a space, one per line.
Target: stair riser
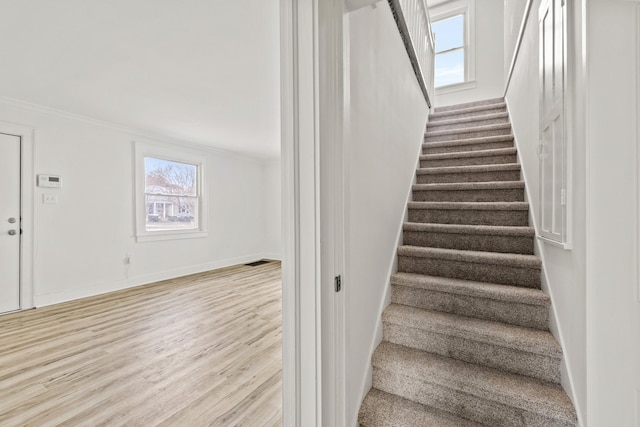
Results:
470 242
464 405
467 147
465 105
435 126
488 195
467 135
468 161
468 177
481 272
470 217
529 316
460 115
481 353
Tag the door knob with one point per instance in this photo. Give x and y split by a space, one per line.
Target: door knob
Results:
12 220
12 232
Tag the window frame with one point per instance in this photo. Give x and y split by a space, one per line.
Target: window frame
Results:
173 153
466 8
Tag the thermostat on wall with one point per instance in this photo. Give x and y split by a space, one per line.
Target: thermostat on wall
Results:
49 181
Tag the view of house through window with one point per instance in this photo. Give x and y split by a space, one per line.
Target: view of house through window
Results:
450 50
171 195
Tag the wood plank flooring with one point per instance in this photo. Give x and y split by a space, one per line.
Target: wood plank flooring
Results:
202 350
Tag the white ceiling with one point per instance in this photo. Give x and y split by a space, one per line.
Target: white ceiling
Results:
203 71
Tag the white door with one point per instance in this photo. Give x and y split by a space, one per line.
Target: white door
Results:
9 223
553 147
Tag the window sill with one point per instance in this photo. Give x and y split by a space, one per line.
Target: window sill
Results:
457 87
168 235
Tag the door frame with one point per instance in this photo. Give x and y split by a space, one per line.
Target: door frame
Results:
311 78
565 239
27 183
301 371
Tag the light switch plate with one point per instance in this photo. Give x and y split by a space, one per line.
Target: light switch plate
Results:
50 199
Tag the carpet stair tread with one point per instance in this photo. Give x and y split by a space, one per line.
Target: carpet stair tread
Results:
485 238
466 154
515 337
511 305
517 391
484 230
503 213
469 105
469 169
495 185
493 258
461 143
380 409
468 112
511 294
479 206
483 191
467 120
493 267
463 131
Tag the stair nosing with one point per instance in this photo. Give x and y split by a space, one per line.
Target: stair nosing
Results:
443 170
468 141
484 290
486 128
468 119
485 206
464 154
469 186
480 381
490 230
501 334
475 257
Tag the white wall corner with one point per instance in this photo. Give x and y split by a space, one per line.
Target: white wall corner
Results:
637 130
351 5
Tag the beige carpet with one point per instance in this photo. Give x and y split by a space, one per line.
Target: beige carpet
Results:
466 339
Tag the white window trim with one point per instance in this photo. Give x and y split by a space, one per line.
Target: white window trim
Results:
176 153
457 87
448 10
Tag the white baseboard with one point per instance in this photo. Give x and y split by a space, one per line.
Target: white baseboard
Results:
275 256
103 288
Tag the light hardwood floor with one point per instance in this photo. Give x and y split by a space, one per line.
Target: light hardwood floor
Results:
196 351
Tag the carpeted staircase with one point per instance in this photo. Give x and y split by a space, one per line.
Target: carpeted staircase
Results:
466 340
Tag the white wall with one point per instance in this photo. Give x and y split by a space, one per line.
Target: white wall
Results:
272 209
565 270
489 54
613 305
386 119
81 243
513 13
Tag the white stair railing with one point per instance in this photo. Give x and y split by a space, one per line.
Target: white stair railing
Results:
412 18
